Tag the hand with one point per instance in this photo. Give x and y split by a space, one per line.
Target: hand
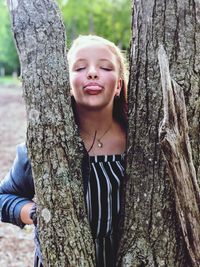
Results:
33 214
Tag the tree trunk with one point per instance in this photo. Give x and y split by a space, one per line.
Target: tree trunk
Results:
176 148
53 144
151 233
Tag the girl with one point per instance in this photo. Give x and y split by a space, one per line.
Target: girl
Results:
98 89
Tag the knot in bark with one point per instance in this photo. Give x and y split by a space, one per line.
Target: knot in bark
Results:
46 214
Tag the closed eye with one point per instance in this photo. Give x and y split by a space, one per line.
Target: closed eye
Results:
79 69
104 68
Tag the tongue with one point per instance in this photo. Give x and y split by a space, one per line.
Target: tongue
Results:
93 87
93 91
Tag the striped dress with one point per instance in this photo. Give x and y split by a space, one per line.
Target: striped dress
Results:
103 206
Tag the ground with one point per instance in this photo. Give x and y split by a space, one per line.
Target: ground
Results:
16 245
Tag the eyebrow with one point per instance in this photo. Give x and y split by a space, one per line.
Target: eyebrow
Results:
101 59
104 59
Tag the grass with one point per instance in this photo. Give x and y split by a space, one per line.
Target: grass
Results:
9 80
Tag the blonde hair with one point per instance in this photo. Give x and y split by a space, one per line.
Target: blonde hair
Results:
120 103
114 49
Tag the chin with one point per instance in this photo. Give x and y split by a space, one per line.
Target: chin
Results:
94 106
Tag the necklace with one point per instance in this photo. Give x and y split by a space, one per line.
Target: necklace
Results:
99 142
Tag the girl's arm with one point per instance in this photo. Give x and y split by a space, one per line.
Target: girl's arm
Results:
17 190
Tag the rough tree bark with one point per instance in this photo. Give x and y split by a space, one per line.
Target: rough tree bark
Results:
152 235
53 144
175 144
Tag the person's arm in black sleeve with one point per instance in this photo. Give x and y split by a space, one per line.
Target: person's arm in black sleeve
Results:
17 188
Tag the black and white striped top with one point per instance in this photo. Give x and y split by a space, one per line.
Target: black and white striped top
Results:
103 205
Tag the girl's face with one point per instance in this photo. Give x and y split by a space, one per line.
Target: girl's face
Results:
94 76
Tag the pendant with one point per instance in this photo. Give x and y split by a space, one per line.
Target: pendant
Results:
99 144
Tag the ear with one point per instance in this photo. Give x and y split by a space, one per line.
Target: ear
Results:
119 87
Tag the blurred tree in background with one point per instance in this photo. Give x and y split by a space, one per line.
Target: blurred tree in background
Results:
9 61
107 18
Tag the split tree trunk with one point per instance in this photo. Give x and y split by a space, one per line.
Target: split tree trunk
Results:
176 148
152 234
53 144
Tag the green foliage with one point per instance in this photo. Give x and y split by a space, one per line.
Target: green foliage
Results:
107 18
8 55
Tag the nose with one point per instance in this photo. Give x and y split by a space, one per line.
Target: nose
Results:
92 73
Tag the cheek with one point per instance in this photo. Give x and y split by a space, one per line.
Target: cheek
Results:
112 81
75 81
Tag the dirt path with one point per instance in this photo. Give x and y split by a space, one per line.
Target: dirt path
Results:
16 245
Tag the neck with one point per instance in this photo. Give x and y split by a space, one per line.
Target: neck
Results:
101 134
91 121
